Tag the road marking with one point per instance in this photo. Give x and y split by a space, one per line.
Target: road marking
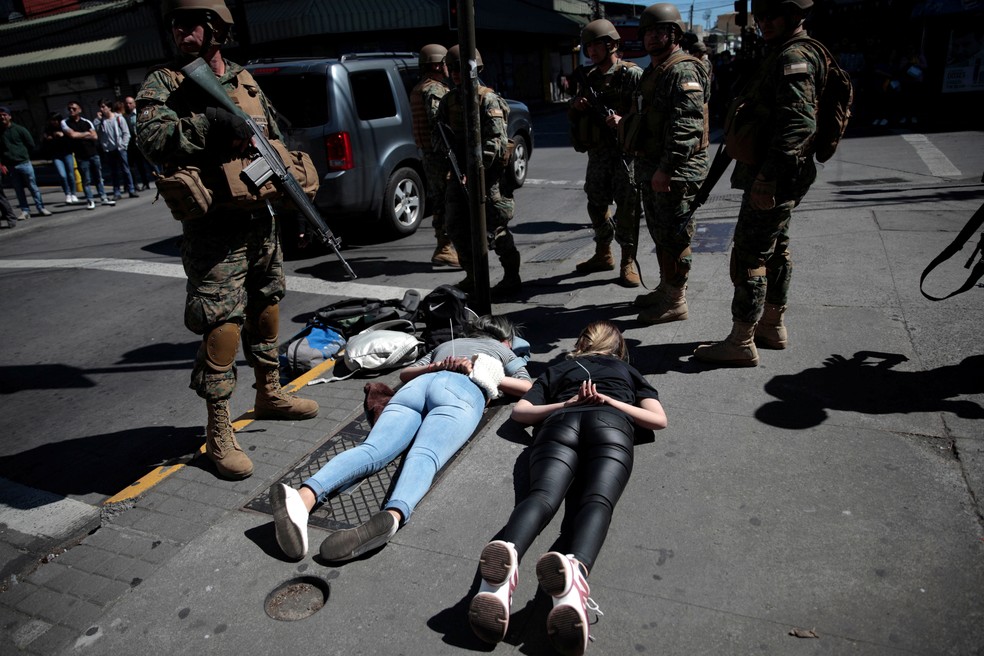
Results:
303 284
154 477
554 183
938 163
36 512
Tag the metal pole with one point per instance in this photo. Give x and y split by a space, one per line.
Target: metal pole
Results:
480 299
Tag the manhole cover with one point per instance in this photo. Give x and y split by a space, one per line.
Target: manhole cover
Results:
298 598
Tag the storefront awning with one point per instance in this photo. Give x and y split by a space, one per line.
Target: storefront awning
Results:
275 20
116 51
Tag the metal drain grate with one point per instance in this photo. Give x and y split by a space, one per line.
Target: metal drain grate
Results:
355 505
869 181
561 251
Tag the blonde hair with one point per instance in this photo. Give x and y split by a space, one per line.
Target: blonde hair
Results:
601 338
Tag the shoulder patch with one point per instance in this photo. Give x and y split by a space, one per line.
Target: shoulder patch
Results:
797 68
691 85
495 113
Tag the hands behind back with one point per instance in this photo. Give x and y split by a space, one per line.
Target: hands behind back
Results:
588 395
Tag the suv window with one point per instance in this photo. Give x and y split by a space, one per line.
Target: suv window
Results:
373 95
284 91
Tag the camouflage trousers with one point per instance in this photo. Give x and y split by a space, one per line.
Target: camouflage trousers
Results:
499 210
761 266
234 265
607 180
436 174
670 224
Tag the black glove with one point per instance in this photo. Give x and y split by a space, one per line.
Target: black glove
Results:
226 125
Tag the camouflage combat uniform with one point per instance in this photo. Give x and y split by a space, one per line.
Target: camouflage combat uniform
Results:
232 255
424 101
668 131
607 177
499 208
785 89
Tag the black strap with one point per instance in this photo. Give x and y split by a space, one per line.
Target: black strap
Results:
963 237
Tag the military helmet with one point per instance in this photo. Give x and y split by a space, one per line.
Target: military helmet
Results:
661 13
769 6
599 29
454 58
432 53
217 7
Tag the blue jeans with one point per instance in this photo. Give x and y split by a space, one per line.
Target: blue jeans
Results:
434 415
23 175
87 169
65 165
119 171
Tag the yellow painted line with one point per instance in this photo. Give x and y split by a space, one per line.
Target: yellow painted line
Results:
157 475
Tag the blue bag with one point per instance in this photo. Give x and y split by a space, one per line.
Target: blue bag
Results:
309 348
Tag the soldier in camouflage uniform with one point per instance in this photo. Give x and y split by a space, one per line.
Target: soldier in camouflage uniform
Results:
424 99
775 173
231 255
668 128
594 123
493 114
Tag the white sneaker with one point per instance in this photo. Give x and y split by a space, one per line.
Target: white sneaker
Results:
567 624
489 610
68 199
107 201
90 205
290 519
75 199
24 216
44 211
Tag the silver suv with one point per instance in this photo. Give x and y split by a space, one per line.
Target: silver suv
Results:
352 115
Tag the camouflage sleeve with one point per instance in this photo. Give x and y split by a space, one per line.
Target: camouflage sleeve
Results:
795 122
495 139
686 85
162 135
629 85
273 123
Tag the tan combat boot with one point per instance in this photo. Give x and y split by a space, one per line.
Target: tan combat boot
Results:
652 298
602 260
272 402
770 332
445 253
737 350
672 306
629 269
221 446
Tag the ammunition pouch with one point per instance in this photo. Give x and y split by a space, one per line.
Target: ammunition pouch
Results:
743 129
242 194
184 193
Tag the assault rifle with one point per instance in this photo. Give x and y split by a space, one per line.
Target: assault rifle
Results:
447 136
599 109
720 164
267 165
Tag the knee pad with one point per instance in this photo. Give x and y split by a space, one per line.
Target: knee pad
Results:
502 241
221 345
266 325
740 275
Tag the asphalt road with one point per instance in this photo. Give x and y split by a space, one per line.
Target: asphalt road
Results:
96 359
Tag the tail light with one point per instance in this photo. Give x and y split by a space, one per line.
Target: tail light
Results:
339 149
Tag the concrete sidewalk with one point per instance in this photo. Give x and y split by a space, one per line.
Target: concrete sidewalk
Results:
835 490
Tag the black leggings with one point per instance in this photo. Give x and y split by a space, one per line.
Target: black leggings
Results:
591 449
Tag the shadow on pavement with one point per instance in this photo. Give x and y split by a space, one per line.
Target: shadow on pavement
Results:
867 383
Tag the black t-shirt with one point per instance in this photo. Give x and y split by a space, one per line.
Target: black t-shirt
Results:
82 148
611 376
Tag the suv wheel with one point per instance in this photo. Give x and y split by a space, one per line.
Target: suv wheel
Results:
403 202
519 162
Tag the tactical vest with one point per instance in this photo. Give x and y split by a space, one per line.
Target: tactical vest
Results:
456 120
423 103
643 133
587 131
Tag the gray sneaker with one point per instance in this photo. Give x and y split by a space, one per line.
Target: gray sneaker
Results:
352 542
107 201
44 211
24 216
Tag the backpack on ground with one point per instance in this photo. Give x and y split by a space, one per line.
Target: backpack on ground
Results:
353 315
833 105
381 347
445 314
309 348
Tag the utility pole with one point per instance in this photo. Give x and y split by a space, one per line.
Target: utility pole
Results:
481 300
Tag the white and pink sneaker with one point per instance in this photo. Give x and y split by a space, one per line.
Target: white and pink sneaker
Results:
488 612
567 624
